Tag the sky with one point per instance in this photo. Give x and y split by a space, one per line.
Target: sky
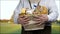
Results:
7 8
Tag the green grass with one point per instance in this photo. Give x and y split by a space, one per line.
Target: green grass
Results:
10 28
55 28
16 28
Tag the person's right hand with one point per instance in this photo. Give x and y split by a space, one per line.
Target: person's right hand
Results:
23 19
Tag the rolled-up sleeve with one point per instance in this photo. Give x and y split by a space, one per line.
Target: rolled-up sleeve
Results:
53 11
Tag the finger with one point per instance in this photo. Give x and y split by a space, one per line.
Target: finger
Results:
21 19
20 22
42 18
26 20
21 16
35 19
24 17
43 15
23 22
40 23
37 22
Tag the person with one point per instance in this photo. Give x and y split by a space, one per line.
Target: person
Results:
47 19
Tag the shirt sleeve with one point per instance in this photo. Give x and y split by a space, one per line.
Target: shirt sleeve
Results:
53 11
17 11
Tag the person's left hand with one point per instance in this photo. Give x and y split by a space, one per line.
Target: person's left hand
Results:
41 19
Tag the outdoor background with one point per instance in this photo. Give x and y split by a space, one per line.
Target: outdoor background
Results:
7 8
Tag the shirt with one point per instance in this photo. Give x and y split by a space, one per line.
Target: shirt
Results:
49 4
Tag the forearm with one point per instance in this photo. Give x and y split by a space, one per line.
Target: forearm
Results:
53 16
17 11
53 11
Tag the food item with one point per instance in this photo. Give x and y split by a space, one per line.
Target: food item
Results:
38 11
44 11
23 12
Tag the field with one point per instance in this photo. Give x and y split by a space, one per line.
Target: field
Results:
10 28
7 28
55 28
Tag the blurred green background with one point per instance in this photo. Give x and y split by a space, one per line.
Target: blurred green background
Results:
6 28
7 9
56 27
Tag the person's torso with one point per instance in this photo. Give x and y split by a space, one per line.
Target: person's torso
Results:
42 3
26 4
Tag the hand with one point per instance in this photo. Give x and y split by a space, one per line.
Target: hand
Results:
44 18
23 19
41 19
